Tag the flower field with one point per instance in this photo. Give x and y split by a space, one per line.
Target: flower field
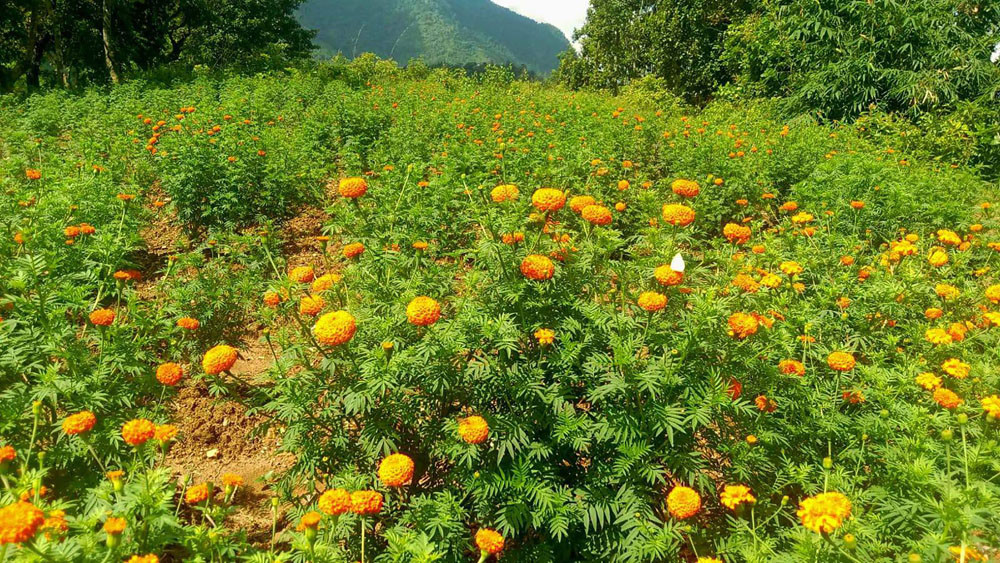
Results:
352 314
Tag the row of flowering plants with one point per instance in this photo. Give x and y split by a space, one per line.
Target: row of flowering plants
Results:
533 324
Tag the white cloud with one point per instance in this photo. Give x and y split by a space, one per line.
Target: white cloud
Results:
567 15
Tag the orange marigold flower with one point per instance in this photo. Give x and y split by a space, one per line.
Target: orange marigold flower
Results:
966 553
792 367
232 480
71 231
335 501
746 283
79 423
736 234
824 512
537 267
933 313
188 323
677 214
950 238
396 470
32 174
504 192
144 559
169 374
947 398
666 276
734 495
302 274
683 502
219 359
311 305
423 311
352 250
956 368
7 454
548 199
489 542
334 329
742 325
114 526
789 206
578 203
545 336
685 188
857 204
19 522
474 429
928 381
165 432
840 361
138 431
366 503
351 188
652 301
309 521
197 494
102 317
272 298
991 405
325 282
596 214
764 404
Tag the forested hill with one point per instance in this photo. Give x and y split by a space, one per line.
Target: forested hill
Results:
440 31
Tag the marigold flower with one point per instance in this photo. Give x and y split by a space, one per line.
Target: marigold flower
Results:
947 398
144 559
197 494
232 480
396 470
169 373
32 174
537 267
937 336
771 281
7 454
334 329
933 313
19 522
946 291
504 192
366 503
708 560
114 526
596 214
683 502
71 231
489 541
678 215
734 495
950 238
474 429
545 336
736 234
824 512
937 258
928 381
302 274
188 323
165 432
802 218
790 268
102 317
792 367
335 501
353 187
423 311
991 405
79 423
324 282
666 276
652 301
271 298
311 305
138 431
548 199
840 361
685 188
993 293
219 359
789 206
578 203
353 250
956 368
764 404
742 325
310 520
966 553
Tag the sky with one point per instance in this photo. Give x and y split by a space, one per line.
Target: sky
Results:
564 14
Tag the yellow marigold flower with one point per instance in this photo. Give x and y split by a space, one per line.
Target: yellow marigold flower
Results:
790 268
956 368
311 305
946 291
992 318
114 526
489 542
396 470
324 282
301 274
742 325
678 215
165 432
708 560
993 293
666 276
596 214
102 317
334 329
169 374
792 367
352 187
188 323
144 559
232 480
683 502
537 267
991 405
423 311
771 281
928 381
734 495
504 192
652 301
353 250
937 336
946 398
937 258
685 188
545 336
219 359
79 423
824 512
950 238
419 245
736 234
967 553
840 361
578 203
801 218
197 494
19 522
138 431
620 206
474 429
548 199
366 503
335 501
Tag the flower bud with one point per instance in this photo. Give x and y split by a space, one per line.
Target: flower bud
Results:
884 413
946 435
914 558
827 463
962 419
850 542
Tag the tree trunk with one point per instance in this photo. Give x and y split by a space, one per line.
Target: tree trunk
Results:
108 54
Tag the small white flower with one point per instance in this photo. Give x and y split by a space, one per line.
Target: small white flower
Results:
677 264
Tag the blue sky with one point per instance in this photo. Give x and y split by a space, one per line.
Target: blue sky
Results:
564 14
